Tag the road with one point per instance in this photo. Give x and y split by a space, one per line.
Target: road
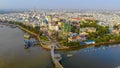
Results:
52 40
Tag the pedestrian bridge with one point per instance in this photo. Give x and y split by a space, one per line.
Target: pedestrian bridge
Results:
55 57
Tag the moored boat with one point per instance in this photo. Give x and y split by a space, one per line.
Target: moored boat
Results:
33 41
27 36
29 42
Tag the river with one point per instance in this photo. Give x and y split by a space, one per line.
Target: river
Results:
92 57
13 54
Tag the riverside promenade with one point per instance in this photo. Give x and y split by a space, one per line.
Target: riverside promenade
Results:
42 45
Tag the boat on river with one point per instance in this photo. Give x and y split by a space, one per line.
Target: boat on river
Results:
26 36
69 55
29 42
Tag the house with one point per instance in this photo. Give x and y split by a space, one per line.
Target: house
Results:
76 37
115 31
103 23
35 25
72 39
88 42
53 27
88 29
76 19
83 33
72 34
55 19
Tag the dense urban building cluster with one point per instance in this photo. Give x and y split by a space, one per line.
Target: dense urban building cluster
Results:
68 25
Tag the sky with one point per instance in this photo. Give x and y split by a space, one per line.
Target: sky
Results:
60 4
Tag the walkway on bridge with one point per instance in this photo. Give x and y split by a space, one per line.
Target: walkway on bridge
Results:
55 57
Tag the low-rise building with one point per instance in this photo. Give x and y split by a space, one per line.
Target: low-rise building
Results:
115 31
88 29
53 27
76 37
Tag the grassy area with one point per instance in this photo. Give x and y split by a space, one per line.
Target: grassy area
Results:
44 38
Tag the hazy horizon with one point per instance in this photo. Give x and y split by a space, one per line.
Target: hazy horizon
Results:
60 4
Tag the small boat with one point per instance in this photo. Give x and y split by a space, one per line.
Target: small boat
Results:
27 43
69 55
33 41
27 36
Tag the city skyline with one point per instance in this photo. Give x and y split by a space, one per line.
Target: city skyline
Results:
60 4
59 34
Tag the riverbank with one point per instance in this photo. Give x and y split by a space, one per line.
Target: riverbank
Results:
36 35
13 54
68 48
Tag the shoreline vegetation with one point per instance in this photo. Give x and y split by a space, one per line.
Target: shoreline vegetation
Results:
35 32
